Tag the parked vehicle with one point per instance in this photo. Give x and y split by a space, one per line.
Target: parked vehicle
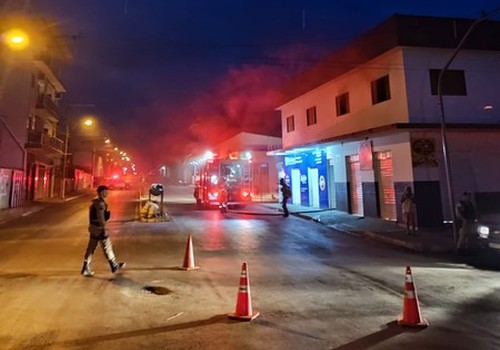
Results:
488 230
117 183
233 176
488 223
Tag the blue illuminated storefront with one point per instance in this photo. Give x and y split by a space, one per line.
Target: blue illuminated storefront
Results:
306 172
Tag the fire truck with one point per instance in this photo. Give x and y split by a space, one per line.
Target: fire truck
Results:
228 180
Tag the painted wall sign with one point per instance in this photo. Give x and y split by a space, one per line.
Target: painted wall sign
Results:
423 152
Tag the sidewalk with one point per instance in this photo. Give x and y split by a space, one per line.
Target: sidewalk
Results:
435 241
29 208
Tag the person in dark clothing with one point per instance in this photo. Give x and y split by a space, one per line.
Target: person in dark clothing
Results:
408 209
98 215
466 216
286 193
223 198
196 194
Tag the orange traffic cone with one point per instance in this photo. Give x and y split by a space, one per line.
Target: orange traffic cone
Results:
411 310
189 257
244 302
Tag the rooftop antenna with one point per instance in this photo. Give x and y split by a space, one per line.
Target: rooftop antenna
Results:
125 9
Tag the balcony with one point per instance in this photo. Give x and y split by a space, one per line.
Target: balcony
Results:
42 143
47 107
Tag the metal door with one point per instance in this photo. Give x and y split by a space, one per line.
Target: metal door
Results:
355 185
384 175
295 186
313 186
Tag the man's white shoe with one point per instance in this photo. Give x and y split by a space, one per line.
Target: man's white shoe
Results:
88 273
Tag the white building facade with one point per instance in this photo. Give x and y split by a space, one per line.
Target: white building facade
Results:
356 140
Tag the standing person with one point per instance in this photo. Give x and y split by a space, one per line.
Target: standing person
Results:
286 193
223 198
409 210
98 215
196 193
466 216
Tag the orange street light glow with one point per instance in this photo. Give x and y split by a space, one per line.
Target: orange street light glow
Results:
16 39
88 122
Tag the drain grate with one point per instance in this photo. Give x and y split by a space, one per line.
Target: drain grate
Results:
157 290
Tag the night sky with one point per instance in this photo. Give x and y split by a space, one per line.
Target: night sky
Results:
169 77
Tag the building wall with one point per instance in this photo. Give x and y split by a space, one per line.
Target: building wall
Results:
482 76
363 114
16 101
5 187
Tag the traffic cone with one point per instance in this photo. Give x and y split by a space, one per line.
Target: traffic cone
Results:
189 257
244 310
411 310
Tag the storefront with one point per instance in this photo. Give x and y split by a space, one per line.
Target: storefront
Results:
306 173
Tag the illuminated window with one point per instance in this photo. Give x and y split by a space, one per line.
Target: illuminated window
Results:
342 103
453 82
290 123
311 116
381 90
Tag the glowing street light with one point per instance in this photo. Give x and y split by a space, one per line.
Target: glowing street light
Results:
88 122
16 39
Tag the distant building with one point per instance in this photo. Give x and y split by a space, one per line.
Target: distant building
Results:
369 123
264 171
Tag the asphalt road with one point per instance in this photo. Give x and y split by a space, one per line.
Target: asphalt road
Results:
314 287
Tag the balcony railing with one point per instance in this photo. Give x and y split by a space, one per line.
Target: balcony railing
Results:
45 142
45 102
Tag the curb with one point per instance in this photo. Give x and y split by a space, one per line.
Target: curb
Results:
418 247
414 246
13 216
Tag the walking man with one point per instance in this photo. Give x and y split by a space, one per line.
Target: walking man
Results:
98 215
286 193
466 216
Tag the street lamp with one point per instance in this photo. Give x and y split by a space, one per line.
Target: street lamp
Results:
66 142
16 39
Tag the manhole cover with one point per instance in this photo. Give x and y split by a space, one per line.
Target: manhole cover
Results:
157 290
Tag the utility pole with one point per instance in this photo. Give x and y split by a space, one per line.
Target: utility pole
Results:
66 142
444 139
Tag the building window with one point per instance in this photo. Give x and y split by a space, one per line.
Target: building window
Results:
342 103
453 82
311 116
290 123
381 90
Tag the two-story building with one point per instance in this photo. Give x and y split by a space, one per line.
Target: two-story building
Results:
372 123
